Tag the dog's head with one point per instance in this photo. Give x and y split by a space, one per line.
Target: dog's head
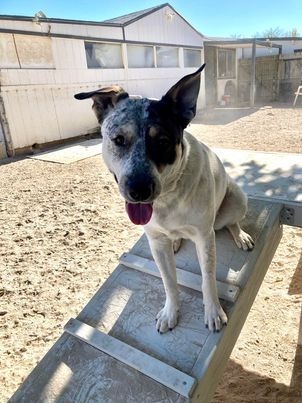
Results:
143 139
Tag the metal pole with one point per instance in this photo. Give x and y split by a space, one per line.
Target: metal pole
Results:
253 75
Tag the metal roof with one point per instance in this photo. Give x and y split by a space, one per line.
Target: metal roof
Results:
129 18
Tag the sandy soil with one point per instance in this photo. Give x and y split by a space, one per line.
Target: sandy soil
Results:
63 227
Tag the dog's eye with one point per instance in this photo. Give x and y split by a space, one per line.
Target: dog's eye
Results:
119 140
164 141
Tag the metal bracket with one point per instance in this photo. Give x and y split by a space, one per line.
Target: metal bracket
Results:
287 216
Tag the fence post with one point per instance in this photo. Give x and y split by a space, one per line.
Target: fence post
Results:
253 75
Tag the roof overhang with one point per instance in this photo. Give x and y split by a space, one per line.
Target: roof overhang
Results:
242 43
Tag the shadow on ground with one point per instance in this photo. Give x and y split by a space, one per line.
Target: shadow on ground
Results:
246 383
226 115
222 116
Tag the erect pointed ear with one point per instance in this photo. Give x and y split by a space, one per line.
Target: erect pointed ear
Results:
104 99
182 97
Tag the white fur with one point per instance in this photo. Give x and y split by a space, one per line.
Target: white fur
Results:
192 191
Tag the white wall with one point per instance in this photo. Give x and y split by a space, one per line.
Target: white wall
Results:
163 26
86 30
38 97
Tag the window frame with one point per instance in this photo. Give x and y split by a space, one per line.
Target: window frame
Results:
230 71
128 45
177 48
115 44
194 50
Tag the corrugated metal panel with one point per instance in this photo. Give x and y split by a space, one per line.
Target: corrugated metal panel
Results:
45 113
163 26
31 116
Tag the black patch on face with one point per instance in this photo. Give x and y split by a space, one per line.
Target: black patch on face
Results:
161 148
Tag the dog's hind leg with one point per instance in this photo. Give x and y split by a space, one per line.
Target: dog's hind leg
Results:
232 210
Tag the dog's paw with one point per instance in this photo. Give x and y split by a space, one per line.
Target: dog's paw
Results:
214 317
166 318
176 245
244 241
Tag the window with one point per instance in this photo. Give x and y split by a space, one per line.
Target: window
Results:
192 58
103 55
140 56
226 63
167 56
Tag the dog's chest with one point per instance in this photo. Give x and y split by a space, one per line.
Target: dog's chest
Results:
174 225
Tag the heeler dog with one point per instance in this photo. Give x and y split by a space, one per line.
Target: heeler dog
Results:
173 185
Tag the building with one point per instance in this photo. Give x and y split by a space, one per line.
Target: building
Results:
45 61
252 69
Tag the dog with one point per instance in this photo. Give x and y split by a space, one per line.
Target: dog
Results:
173 185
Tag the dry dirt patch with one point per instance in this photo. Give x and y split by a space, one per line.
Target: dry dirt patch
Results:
63 227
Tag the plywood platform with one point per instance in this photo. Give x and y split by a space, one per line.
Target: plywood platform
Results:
112 353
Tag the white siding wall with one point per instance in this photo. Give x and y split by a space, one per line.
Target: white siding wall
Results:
48 112
157 27
95 31
39 102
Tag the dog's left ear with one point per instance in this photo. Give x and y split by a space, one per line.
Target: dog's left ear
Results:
182 97
104 99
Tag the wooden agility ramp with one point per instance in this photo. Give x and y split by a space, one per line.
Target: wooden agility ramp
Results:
112 352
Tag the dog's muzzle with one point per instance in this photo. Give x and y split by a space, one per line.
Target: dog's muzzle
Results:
139 193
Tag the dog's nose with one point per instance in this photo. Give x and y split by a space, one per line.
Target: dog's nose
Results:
139 191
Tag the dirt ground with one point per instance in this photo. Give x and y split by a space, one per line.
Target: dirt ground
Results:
63 228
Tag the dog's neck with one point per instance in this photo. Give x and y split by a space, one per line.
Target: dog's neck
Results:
174 173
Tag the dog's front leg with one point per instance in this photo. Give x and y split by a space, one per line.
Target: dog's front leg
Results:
162 251
215 317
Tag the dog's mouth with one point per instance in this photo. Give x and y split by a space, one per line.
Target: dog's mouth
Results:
139 213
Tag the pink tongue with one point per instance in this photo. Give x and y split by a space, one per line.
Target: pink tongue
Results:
139 213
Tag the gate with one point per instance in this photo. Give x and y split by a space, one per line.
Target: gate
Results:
267 83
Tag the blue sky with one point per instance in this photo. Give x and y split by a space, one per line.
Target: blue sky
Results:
223 18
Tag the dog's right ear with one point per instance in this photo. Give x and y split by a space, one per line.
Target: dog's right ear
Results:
104 99
182 97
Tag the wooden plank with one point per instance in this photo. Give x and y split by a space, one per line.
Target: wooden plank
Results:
291 213
150 366
75 372
210 364
226 291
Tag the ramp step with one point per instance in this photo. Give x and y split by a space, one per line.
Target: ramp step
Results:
228 292
144 363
